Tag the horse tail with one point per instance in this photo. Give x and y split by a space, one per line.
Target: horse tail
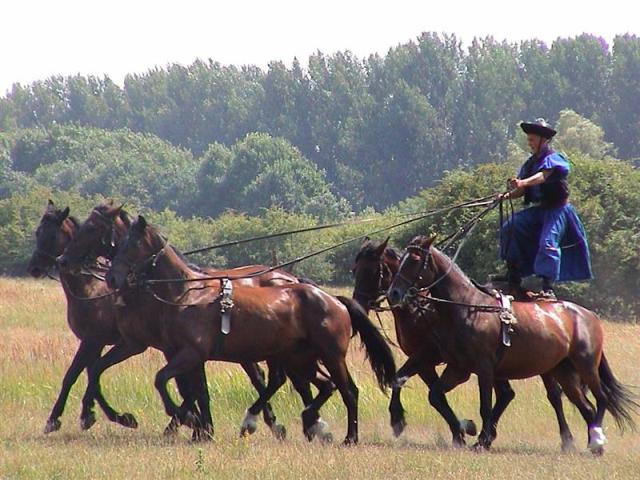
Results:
378 351
622 401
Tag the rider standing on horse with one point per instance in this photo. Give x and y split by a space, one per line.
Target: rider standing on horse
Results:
546 239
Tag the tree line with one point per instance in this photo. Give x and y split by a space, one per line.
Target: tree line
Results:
379 129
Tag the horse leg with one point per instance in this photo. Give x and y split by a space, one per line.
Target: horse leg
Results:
590 376
337 367
87 353
449 379
485 387
186 360
275 380
118 353
504 396
312 424
200 392
571 384
396 410
554 394
256 375
186 392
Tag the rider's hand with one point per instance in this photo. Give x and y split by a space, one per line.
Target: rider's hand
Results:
514 183
503 196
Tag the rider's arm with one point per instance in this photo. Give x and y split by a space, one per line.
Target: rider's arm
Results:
520 184
537 179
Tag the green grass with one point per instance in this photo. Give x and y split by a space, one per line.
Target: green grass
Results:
36 347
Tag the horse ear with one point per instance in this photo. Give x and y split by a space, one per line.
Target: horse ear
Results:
64 214
50 206
142 223
426 242
365 241
124 216
380 250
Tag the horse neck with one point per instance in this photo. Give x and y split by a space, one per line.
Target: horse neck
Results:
77 284
392 264
169 266
454 285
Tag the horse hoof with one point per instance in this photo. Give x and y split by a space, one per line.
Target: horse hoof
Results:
172 428
53 425
398 428
249 424
127 420
568 447
279 431
190 420
479 447
597 452
469 427
326 438
349 442
201 435
319 428
87 421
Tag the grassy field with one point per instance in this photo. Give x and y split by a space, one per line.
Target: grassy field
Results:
36 347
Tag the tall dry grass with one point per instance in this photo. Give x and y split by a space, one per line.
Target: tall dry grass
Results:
36 347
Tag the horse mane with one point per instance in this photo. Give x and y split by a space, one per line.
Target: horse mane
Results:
154 229
420 239
107 206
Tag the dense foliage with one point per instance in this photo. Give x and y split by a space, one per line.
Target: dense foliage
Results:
213 153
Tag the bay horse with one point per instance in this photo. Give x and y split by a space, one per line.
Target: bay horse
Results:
551 337
295 325
92 322
99 236
375 267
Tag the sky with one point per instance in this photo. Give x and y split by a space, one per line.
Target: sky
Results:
51 37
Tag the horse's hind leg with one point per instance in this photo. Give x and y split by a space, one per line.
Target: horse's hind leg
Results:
312 424
572 386
276 380
590 376
554 394
337 367
88 352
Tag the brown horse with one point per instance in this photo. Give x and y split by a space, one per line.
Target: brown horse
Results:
99 236
93 322
375 268
550 337
293 325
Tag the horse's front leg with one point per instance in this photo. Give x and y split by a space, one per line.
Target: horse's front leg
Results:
485 386
451 378
185 361
118 353
412 366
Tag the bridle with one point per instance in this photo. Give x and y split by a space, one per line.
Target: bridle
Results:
375 296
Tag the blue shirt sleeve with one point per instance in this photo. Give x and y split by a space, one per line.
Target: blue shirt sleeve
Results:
555 162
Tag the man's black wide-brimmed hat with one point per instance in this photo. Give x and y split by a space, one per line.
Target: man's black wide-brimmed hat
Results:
538 127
